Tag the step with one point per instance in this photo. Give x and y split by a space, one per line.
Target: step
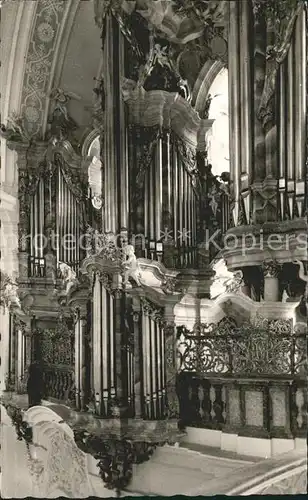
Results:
179 470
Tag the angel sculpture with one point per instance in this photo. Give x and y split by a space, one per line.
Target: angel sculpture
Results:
14 128
131 266
225 281
157 55
69 276
61 122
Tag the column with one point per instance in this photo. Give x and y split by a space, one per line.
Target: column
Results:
271 283
110 144
234 103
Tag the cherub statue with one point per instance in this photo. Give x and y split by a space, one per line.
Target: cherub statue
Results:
131 266
69 275
14 128
8 291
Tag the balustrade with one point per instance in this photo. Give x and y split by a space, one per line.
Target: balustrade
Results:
59 384
249 379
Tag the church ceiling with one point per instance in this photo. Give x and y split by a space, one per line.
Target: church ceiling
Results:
64 51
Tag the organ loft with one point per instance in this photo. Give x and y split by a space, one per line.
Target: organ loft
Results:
154 216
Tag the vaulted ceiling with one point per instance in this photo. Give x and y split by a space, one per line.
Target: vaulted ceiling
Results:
57 44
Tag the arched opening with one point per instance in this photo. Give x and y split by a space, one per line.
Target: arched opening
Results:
95 174
218 137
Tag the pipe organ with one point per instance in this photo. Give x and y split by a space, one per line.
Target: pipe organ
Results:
103 347
56 219
152 359
164 196
141 357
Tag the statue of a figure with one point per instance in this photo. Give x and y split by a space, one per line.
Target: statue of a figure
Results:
69 276
60 121
131 266
14 129
9 295
225 281
213 203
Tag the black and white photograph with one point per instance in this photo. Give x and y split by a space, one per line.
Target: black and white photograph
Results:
153 248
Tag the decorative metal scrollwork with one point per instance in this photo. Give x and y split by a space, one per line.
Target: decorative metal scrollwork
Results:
262 347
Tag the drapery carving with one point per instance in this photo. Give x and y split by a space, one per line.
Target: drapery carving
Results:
72 178
280 16
147 137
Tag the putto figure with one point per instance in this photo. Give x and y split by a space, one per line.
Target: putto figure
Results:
131 266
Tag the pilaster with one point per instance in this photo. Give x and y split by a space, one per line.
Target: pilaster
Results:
271 284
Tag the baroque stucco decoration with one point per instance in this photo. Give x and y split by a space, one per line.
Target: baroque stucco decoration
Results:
42 49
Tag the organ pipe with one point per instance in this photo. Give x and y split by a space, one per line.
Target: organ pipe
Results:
290 114
152 200
112 345
175 191
97 368
245 88
180 201
158 188
104 346
300 93
234 104
282 122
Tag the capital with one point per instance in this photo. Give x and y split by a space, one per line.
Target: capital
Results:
271 268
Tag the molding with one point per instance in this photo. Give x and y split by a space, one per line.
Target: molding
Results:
238 306
90 137
166 109
202 86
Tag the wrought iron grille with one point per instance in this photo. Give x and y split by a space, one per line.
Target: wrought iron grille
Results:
263 347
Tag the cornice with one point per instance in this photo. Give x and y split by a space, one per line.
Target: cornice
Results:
237 306
166 109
